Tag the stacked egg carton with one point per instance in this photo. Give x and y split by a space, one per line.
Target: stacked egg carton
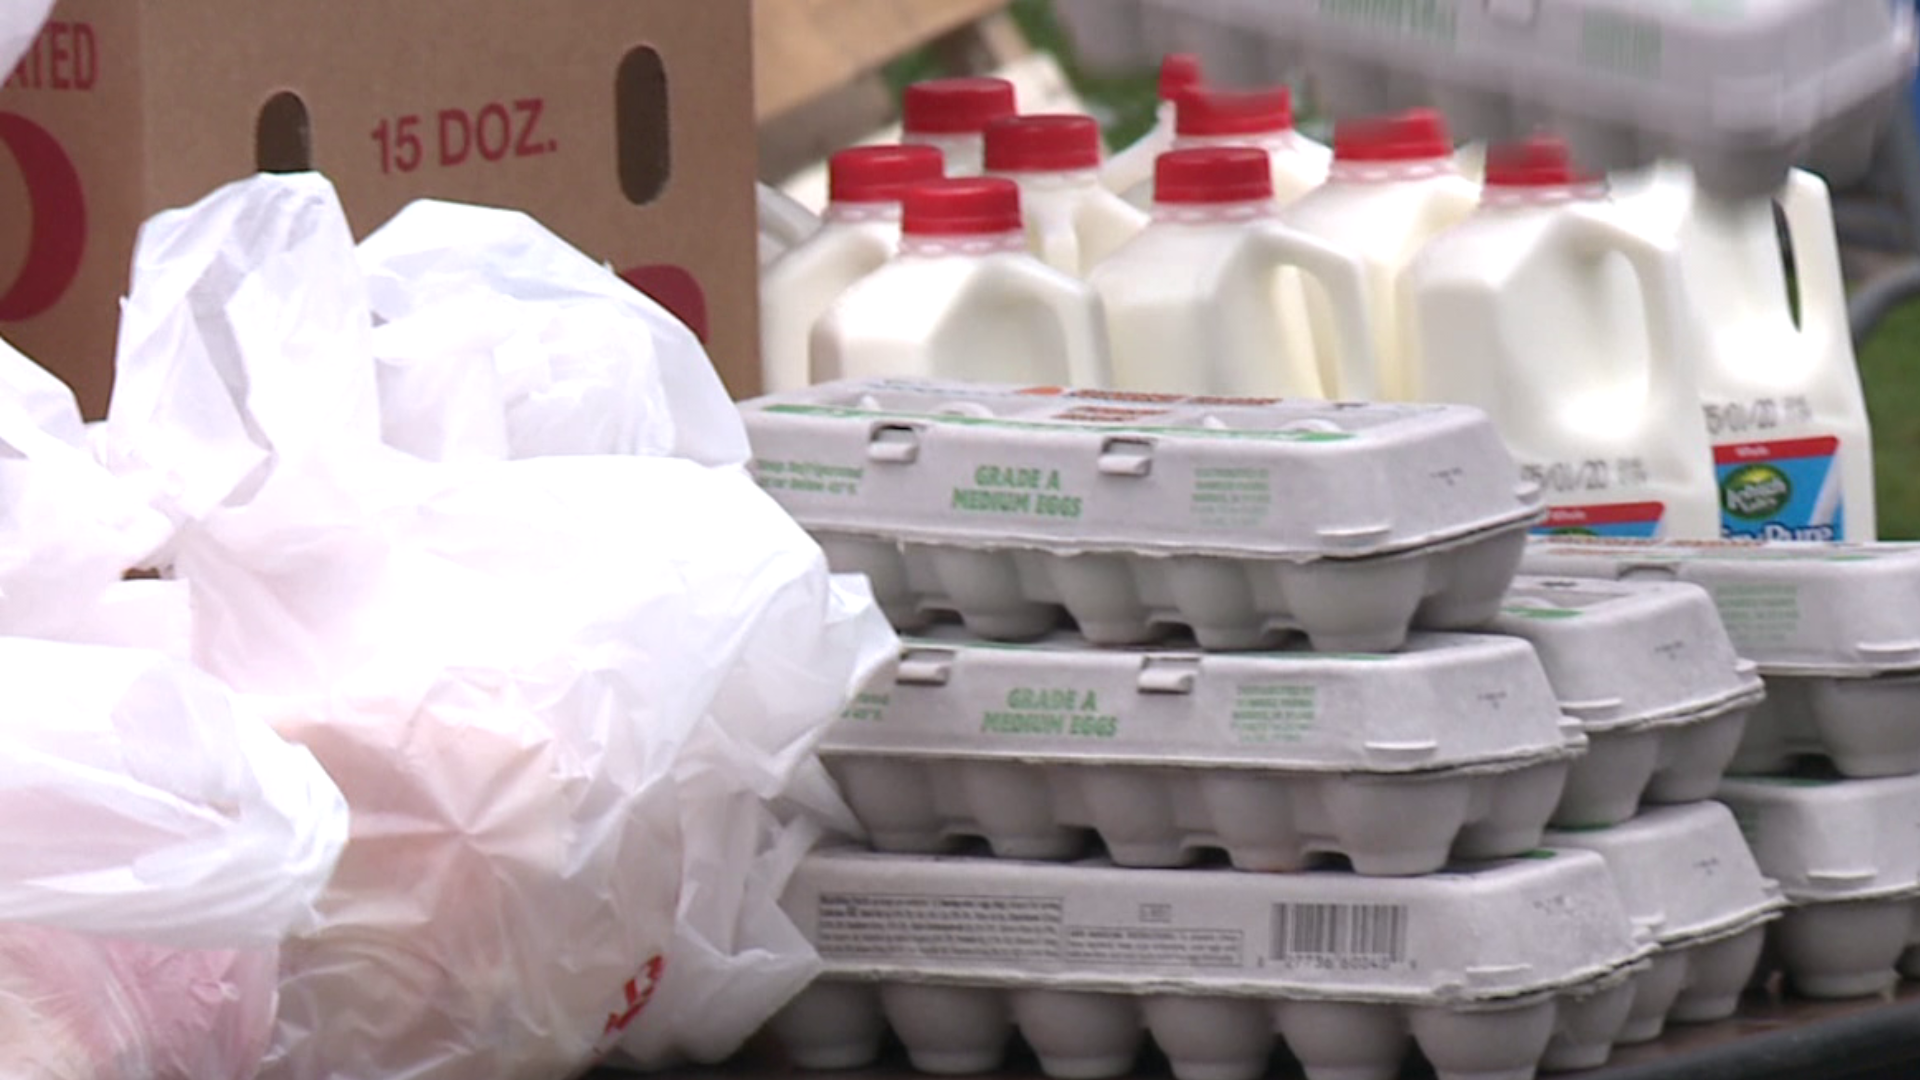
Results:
1069 531
1829 786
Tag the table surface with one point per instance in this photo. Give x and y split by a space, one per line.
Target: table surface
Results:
1770 1039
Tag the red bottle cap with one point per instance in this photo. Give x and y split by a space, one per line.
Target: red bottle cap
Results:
1179 73
880 174
1233 112
955 106
972 206
1048 143
1213 174
1414 135
1542 161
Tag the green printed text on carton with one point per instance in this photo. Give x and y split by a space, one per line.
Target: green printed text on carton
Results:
1059 427
1429 19
1267 713
1232 497
1051 711
1016 490
1758 614
1620 44
1542 613
814 477
866 706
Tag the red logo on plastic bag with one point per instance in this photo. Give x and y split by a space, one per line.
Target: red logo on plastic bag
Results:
637 998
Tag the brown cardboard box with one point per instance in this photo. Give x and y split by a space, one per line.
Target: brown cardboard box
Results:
624 125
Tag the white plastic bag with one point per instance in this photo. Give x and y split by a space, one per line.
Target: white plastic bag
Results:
19 21
161 842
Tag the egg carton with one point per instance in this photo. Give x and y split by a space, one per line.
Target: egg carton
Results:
1866 727
1490 971
1650 673
1739 90
1240 519
1687 876
1845 854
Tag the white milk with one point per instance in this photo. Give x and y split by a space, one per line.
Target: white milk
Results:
860 232
1783 404
1072 221
964 299
1133 167
951 115
1393 187
1258 118
1568 322
784 223
1196 304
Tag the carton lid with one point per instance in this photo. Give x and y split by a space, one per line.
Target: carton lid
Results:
973 206
1539 162
1222 174
1201 112
1831 840
1414 135
956 106
1179 73
1052 142
881 174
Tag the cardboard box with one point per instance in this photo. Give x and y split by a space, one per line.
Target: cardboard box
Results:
624 125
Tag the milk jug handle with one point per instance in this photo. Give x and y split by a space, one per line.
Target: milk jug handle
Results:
1344 278
1656 268
1053 238
1808 209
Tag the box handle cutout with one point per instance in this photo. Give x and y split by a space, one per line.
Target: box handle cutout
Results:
642 126
925 667
1167 675
283 135
894 444
1126 457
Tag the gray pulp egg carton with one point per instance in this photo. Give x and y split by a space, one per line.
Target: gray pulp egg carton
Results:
1650 673
1847 855
1238 519
1740 89
1491 971
1453 746
1833 627
1686 874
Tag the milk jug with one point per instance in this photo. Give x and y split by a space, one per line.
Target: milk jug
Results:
1782 403
860 232
1133 167
1072 221
964 299
1568 323
783 223
1194 303
1393 187
1258 118
951 115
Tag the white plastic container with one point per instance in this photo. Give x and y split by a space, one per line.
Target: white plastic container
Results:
784 223
1072 221
1393 187
1688 878
1650 674
1199 302
951 115
1568 322
1739 91
1487 971
1238 519
860 232
964 299
1783 404
1131 167
1454 745
1844 853
1260 119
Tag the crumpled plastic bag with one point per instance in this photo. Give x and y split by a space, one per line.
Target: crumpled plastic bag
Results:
170 842
558 691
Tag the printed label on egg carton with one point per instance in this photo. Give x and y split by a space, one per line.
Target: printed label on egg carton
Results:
1492 969
1837 609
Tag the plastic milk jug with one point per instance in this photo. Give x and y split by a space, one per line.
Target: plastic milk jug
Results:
1195 302
783 223
1133 167
964 299
1782 403
1568 323
859 233
1393 187
1072 221
1258 118
951 115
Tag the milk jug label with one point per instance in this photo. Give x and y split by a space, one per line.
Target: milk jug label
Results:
1639 520
1783 490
